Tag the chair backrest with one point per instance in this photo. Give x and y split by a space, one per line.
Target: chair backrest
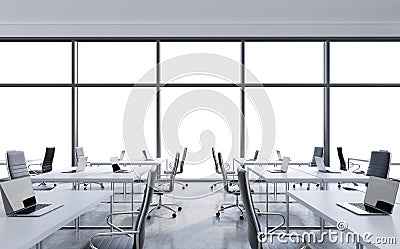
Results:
16 164
47 164
223 172
256 155
215 161
171 184
78 153
379 164
341 159
319 152
182 163
144 210
253 225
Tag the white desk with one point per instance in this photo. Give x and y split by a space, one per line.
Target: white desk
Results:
323 203
263 162
25 232
343 176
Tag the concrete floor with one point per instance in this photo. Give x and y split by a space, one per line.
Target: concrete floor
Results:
196 226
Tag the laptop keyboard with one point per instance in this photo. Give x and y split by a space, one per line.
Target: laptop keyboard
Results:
366 208
32 209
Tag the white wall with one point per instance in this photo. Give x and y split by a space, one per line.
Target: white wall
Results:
199 18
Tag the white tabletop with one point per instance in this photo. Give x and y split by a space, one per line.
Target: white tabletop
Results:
25 232
261 161
343 176
289 176
156 161
323 203
92 174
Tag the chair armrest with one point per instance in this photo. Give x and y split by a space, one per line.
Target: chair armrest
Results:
118 213
128 233
32 170
273 213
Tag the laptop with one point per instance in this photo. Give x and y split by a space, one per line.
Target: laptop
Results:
321 166
379 199
19 199
82 161
116 167
284 166
278 153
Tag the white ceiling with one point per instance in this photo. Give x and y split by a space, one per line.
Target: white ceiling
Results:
201 18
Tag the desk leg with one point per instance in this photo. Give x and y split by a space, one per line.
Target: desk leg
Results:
77 221
133 217
287 208
266 207
39 245
322 224
111 203
359 245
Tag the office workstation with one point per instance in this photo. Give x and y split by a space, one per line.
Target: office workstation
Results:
186 124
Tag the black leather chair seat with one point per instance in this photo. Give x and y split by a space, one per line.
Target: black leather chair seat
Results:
114 242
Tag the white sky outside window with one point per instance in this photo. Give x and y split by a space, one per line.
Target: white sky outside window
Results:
116 62
190 127
35 62
365 62
36 118
365 120
100 122
285 62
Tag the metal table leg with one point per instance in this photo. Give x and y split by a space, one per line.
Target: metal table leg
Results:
287 209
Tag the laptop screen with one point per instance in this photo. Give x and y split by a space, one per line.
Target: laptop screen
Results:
19 194
381 193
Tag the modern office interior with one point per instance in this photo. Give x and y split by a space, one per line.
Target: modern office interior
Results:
184 124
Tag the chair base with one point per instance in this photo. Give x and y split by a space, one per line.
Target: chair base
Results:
160 205
224 207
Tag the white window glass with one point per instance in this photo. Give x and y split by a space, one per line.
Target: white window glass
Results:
284 62
35 118
364 62
298 121
200 118
200 62
101 120
35 62
116 62
364 120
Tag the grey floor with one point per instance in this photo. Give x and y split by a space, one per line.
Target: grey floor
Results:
196 226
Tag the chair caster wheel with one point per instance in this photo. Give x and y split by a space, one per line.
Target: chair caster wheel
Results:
218 214
211 187
183 187
294 186
308 188
301 184
148 217
173 215
158 207
179 209
186 184
241 217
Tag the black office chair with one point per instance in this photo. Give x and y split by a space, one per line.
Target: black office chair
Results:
180 171
217 169
319 152
379 164
167 185
345 167
254 232
16 164
127 239
46 166
230 187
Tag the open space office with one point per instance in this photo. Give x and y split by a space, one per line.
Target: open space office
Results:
186 124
